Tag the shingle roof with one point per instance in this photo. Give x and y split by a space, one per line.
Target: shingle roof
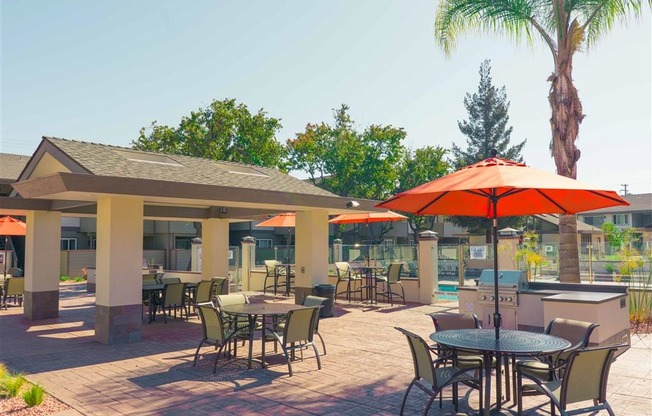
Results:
11 166
638 203
105 160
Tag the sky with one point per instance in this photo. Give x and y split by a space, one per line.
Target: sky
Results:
99 71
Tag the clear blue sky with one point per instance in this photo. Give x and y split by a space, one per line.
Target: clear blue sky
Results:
99 71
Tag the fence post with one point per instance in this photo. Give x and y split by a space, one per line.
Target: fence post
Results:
337 250
428 267
248 260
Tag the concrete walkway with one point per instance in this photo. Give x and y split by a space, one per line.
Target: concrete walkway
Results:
365 371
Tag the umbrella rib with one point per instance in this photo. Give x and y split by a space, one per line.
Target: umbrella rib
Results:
604 196
552 201
431 202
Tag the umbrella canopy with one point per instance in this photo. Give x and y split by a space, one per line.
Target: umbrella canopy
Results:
499 187
367 217
286 219
10 226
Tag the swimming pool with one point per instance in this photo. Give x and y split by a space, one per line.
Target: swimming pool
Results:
447 291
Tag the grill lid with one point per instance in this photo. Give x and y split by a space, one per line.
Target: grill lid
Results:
516 279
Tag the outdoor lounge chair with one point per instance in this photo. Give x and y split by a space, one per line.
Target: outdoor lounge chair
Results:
584 377
391 278
577 332
433 376
298 333
214 331
346 274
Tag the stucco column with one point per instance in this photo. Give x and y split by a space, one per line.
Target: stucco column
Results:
311 265
215 248
428 267
248 260
119 264
42 264
337 250
507 248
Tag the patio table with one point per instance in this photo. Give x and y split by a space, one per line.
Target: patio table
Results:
151 291
511 342
369 274
252 311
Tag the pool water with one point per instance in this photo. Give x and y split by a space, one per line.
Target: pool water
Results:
447 292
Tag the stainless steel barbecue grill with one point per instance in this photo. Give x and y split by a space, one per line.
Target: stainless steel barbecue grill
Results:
510 284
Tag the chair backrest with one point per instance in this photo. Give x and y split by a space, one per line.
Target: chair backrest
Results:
167 280
585 376
270 267
232 299
444 321
577 333
204 291
174 294
211 322
421 357
394 272
149 279
300 324
14 286
343 270
314 301
219 286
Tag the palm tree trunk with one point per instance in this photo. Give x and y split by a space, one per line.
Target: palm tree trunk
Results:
565 121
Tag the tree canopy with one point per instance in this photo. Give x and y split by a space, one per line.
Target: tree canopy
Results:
486 126
224 130
348 162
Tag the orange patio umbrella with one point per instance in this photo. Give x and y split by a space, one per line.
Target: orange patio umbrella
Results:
10 226
286 219
367 218
498 187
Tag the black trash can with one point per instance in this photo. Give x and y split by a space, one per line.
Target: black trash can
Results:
328 292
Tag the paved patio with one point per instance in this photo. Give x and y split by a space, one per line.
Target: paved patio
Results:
365 371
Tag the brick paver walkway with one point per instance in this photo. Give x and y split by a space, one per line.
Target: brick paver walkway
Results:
365 371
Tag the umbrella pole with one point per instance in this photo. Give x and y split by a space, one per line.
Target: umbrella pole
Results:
497 318
5 258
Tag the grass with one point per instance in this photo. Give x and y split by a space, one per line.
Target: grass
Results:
11 386
77 279
34 395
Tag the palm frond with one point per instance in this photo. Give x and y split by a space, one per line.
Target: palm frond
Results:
513 18
597 17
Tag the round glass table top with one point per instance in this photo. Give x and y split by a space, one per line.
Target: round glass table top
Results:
510 341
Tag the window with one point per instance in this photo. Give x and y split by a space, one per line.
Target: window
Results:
182 243
68 244
621 219
263 243
595 221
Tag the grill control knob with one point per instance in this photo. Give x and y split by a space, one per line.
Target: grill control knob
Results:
491 297
509 299
483 297
502 299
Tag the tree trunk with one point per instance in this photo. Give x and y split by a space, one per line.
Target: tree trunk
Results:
565 121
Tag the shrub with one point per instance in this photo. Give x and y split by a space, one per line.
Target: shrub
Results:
34 395
3 370
10 385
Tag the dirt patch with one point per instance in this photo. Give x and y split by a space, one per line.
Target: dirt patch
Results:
17 407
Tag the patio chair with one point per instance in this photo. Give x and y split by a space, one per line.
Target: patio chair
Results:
168 280
346 274
584 377
433 376
15 271
298 334
271 272
214 331
310 301
14 287
391 277
220 286
465 360
174 296
577 332
150 279
235 323
204 293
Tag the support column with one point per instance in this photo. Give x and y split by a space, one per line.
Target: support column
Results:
119 260
215 248
311 265
428 267
337 250
248 260
42 264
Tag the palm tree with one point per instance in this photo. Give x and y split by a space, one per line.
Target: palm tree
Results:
565 26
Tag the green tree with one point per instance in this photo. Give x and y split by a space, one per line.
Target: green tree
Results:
486 127
224 130
347 162
421 166
566 27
